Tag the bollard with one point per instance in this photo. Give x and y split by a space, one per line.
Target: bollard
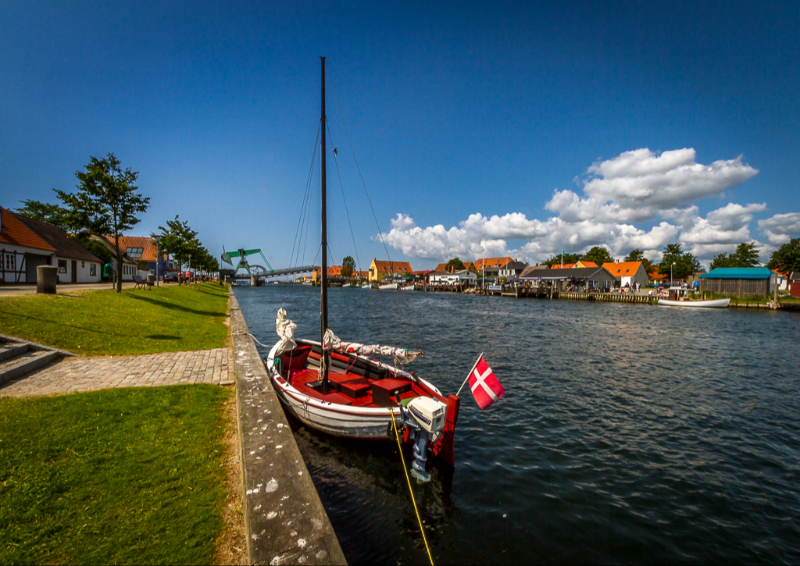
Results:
46 279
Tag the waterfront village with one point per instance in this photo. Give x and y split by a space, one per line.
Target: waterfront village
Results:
28 242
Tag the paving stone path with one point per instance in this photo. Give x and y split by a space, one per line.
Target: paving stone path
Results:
88 374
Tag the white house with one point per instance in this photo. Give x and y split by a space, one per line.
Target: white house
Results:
628 273
21 250
75 263
129 267
457 277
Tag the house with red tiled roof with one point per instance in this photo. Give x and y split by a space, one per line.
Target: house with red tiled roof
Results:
140 248
655 277
75 263
627 272
21 250
379 269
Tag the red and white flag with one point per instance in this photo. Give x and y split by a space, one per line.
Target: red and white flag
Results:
485 387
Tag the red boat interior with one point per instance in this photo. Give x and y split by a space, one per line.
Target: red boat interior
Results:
352 381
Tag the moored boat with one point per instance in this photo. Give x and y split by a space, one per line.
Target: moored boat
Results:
340 389
687 303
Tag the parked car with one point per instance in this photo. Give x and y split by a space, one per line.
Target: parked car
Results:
171 276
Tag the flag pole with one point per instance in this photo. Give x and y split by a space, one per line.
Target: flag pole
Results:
469 374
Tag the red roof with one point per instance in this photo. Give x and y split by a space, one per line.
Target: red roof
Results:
490 262
13 231
148 246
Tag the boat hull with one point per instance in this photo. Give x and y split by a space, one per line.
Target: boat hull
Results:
716 304
389 287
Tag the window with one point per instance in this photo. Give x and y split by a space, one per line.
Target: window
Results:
83 264
134 253
10 262
93 269
62 266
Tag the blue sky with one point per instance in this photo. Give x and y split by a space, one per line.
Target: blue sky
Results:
521 128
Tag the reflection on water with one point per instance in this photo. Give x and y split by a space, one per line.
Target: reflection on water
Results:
627 434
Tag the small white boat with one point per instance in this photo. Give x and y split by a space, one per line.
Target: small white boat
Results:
346 285
678 297
717 303
408 288
389 286
366 286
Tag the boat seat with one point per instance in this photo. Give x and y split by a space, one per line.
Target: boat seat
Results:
332 397
356 387
338 379
303 377
384 389
295 359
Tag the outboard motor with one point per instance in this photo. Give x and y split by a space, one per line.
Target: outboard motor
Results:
424 417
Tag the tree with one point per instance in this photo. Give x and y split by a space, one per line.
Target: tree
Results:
786 258
179 240
106 203
568 258
683 263
348 266
638 255
44 212
598 255
746 255
456 263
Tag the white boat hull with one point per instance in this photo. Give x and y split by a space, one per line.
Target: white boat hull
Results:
409 288
389 286
718 303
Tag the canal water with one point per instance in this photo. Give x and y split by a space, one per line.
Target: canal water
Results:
628 433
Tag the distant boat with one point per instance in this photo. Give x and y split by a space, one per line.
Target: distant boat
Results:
678 297
717 303
408 288
389 286
346 285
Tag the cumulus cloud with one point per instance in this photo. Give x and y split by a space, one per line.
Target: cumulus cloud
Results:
639 185
634 187
781 228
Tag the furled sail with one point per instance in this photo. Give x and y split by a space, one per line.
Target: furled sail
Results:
401 355
285 328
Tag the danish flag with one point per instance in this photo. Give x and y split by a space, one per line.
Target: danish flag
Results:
485 387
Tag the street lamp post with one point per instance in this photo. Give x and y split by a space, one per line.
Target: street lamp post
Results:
671 282
189 270
158 257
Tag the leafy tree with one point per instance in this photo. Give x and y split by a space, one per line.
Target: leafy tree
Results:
568 258
44 212
598 255
179 240
106 202
787 257
456 263
348 266
683 263
638 255
746 255
722 260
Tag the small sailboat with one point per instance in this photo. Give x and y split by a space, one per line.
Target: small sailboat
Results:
342 389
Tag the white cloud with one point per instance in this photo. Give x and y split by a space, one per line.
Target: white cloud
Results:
639 185
781 228
633 187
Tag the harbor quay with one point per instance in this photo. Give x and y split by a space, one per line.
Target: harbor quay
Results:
285 521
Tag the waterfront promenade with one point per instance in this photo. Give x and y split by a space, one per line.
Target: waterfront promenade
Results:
80 374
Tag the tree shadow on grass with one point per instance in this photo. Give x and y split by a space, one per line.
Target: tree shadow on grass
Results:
176 307
163 337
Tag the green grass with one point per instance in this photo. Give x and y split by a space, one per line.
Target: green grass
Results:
169 318
123 476
752 300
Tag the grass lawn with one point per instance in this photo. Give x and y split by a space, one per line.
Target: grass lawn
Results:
169 318
129 476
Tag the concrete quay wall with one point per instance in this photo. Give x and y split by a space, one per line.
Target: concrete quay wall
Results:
285 521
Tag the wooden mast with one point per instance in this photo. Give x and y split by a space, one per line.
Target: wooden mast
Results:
324 358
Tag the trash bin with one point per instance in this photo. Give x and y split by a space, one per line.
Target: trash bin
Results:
151 280
46 279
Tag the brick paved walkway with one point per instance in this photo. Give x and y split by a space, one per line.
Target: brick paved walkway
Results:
87 374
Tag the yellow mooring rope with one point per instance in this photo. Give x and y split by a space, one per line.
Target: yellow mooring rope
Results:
400 448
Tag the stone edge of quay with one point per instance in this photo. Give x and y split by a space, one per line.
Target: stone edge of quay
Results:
285 521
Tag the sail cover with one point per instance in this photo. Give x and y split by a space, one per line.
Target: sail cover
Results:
285 329
401 355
